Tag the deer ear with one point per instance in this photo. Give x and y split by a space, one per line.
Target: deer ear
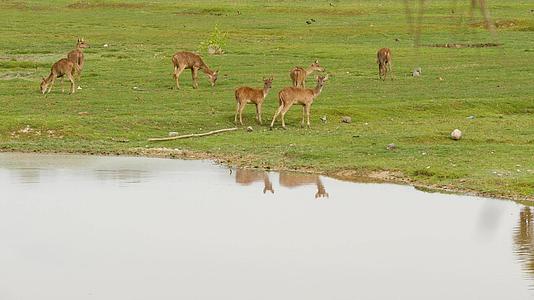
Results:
317 61
326 77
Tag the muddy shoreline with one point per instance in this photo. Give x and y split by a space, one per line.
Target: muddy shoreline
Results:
357 176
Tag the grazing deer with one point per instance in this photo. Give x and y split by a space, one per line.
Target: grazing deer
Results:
244 95
295 95
383 59
298 74
76 55
188 60
292 180
246 177
62 67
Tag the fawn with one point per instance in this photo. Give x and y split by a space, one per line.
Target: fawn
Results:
188 60
383 59
76 55
62 67
296 95
298 74
244 95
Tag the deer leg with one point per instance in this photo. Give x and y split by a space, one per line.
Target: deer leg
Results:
308 108
303 116
177 71
194 75
62 86
258 112
241 112
236 112
391 71
276 114
71 79
380 71
284 111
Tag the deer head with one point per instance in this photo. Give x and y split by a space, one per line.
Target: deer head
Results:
44 85
81 44
316 66
212 77
268 82
321 80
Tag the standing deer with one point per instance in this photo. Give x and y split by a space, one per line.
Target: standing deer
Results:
62 67
296 95
76 55
188 60
383 59
292 180
298 74
244 95
246 177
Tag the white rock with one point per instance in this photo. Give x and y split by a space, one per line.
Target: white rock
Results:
456 134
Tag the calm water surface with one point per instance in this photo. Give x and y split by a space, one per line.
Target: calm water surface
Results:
78 227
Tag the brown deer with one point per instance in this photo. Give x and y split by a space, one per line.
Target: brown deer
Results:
76 55
244 95
188 60
292 180
298 74
383 59
62 67
296 95
246 177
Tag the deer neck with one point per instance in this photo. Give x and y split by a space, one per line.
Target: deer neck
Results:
309 70
49 78
206 69
78 48
265 91
317 90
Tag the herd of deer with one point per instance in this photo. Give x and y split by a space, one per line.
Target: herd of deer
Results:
72 67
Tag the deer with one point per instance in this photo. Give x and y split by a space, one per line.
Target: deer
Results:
188 60
296 95
62 67
245 95
246 177
292 180
298 74
76 55
383 59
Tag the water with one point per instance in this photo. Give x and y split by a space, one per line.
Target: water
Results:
78 227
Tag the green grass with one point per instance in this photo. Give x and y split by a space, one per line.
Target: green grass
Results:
496 155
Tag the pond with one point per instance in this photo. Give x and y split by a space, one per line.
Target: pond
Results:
85 227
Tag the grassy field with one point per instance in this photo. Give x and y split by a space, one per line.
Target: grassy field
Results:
127 96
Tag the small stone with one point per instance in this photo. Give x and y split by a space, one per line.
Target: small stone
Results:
173 133
250 129
470 117
346 119
83 113
106 45
456 134
323 118
416 72
397 40
440 78
79 87
391 146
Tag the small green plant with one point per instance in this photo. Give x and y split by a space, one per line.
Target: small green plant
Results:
215 43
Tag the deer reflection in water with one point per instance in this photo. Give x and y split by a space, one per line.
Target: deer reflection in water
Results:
524 240
291 180
247 177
